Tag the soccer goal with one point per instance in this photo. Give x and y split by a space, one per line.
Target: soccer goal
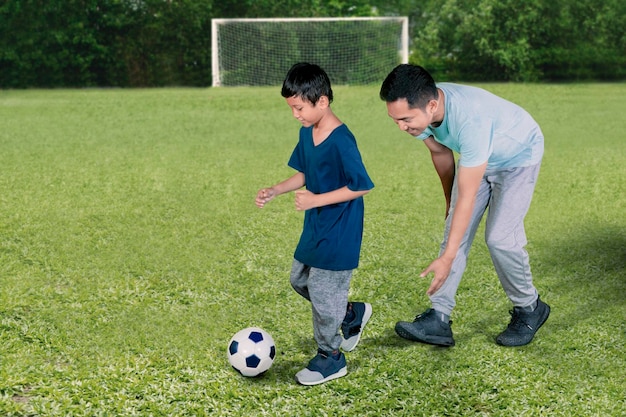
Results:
358 50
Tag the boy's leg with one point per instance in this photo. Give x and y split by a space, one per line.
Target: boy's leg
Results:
328 292
299 278
329 295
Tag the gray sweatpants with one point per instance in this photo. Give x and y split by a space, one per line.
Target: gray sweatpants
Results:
328 293
507 193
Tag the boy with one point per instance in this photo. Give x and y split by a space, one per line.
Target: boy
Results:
328 162
501 148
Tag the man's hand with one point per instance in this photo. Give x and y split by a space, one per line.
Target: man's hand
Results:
441 269
468 184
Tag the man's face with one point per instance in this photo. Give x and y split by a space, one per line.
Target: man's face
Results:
413 121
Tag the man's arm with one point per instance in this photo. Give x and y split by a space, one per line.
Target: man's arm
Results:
443 160
468 181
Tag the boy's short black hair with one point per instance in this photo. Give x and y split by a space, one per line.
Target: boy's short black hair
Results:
410 82
307 81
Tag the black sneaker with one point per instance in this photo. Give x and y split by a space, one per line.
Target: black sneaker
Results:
323 367
426 328
524 325
353 329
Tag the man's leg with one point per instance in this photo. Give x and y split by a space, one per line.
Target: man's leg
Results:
433 326
506 239
505 234
444 299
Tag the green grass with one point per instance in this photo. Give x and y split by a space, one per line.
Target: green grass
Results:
131 250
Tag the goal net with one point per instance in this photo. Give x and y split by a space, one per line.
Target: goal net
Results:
359 50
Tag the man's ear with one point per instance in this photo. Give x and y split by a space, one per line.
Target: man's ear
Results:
432 106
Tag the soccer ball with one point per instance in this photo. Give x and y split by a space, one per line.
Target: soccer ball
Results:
251 351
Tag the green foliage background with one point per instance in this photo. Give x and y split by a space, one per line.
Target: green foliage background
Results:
82 43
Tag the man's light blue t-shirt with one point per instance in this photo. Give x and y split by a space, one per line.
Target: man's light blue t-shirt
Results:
483 127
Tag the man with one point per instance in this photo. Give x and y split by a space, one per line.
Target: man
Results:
500 148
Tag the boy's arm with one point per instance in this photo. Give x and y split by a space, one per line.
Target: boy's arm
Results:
306 200
290 184
443 160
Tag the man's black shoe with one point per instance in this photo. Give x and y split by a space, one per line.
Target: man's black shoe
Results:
427 328
524 325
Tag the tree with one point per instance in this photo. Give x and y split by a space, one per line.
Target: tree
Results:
46 43
76 43
293 8
507 40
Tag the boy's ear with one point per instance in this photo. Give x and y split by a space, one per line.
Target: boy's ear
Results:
323 102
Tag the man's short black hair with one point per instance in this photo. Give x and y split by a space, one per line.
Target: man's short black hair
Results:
410 82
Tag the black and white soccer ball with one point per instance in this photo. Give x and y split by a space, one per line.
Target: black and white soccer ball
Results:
251 351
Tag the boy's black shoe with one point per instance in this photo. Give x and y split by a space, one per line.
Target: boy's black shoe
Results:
524 325
427 328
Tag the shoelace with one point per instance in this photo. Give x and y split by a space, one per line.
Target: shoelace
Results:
419 316
354 331
517 320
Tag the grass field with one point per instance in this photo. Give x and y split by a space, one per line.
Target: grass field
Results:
131 251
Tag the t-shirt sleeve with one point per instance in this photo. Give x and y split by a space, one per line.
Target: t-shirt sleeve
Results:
425 134
354 169
297 161
475 142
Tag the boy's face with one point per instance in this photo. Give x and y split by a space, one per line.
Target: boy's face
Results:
307 113
411 120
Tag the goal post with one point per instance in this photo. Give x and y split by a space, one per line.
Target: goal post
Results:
355 50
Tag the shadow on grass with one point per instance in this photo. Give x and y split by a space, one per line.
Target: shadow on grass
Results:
587 257
390 340
583 273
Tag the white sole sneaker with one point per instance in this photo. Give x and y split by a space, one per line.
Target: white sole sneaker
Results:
308 377
348 345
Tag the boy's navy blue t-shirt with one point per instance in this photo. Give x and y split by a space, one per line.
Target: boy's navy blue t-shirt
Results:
331 235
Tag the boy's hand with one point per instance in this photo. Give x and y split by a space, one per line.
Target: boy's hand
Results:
305 200
264 195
